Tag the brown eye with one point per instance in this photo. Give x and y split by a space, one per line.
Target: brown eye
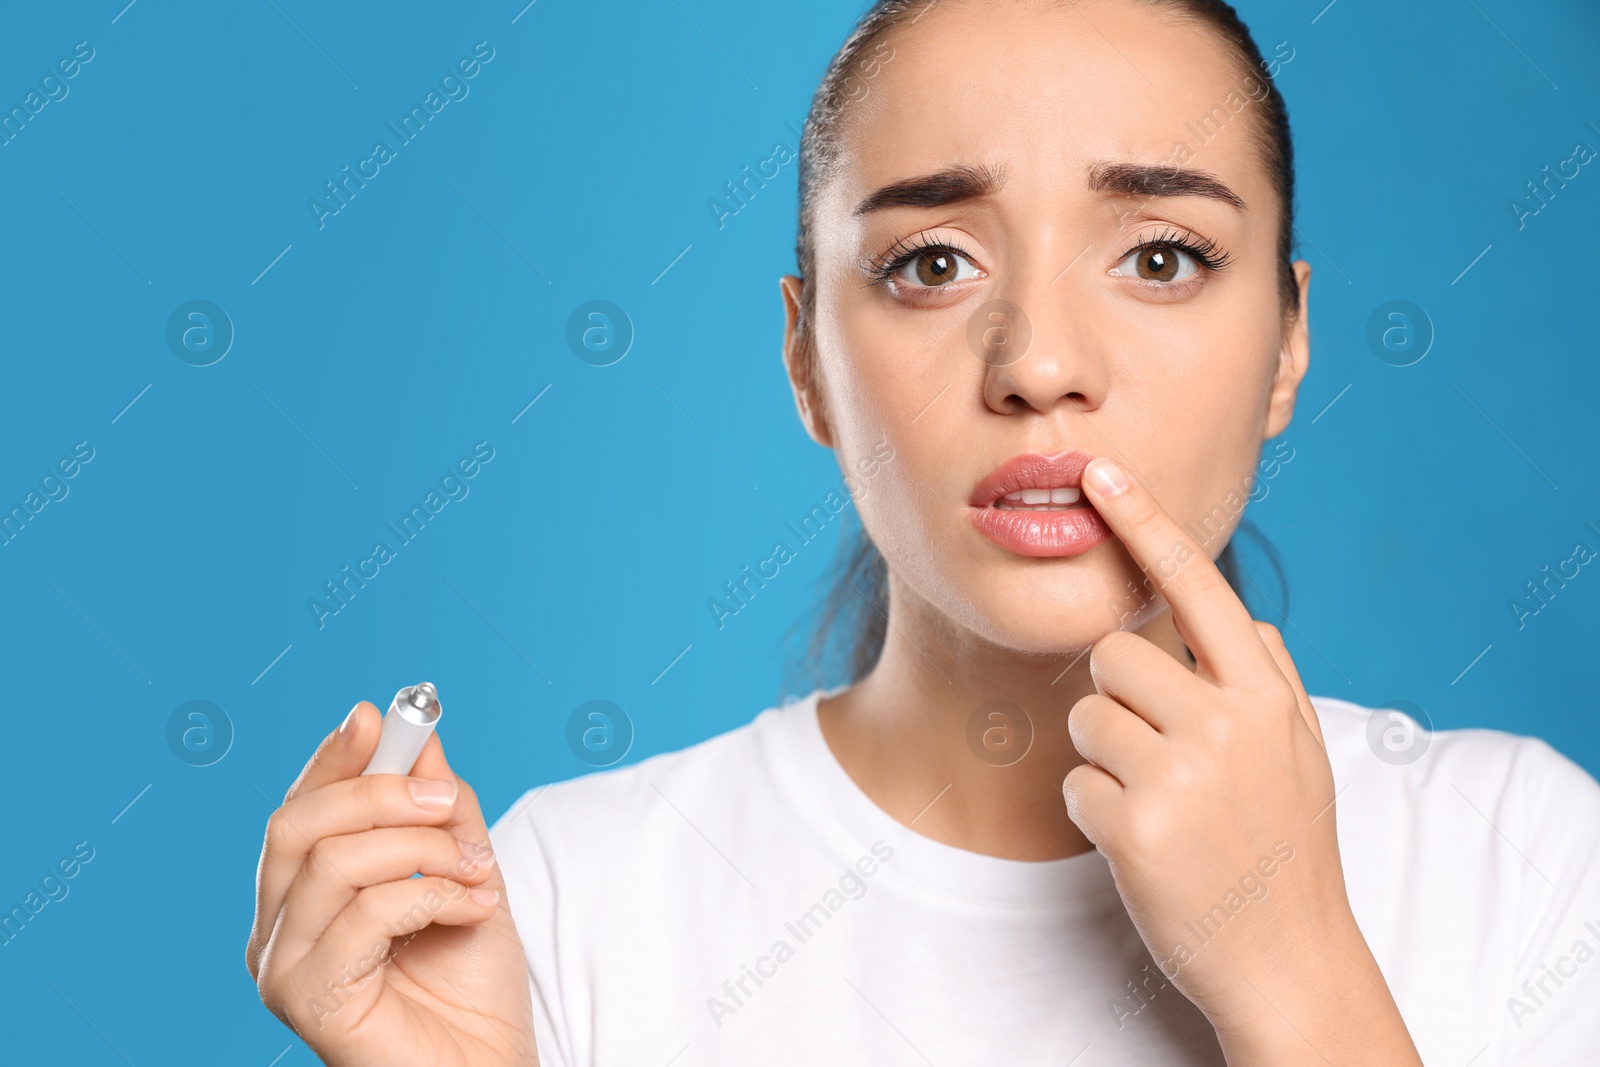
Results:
1159 263
935 267
925 267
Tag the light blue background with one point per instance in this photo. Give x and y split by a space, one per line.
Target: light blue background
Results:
427 314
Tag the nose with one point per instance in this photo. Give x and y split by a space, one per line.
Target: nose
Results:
1038 354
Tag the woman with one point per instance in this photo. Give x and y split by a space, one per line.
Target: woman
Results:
1076 806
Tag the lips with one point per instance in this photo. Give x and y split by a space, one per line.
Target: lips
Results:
1029 529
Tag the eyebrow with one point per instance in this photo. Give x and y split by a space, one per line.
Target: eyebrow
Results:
953 184
1134 179
948 185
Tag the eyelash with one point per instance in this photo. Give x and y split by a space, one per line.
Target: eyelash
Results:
1205 251
906 249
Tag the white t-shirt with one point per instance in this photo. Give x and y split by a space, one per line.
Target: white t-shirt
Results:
742 901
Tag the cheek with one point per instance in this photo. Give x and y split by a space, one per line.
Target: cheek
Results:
893 391
1210 411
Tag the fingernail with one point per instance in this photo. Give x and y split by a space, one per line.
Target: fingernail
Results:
348 727
1107 477
432 793
484 895
478 854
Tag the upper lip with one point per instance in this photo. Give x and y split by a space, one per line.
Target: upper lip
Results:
1031 471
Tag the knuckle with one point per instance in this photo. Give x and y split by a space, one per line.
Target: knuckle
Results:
1113 648
364 906
1183 774
1143 511
1145 829
1082 707
1281 695
369 791
280 831
1269 633
384 793
1080 720
1072 787
1201 581
1219 730
320 864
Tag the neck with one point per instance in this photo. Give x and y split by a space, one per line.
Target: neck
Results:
965 741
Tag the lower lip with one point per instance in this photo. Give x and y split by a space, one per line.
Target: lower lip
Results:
1066 532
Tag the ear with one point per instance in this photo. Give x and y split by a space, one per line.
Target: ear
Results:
800 360
1293 358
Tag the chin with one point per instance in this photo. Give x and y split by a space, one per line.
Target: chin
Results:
1054 615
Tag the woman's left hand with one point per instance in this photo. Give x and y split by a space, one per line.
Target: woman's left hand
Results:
1211 796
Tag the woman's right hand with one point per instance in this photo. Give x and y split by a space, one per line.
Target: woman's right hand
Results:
367 964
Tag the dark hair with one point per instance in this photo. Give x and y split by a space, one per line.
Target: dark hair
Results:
853 615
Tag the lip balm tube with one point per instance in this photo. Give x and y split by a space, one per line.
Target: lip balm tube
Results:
407 725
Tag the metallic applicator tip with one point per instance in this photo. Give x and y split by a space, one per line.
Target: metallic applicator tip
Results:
424 696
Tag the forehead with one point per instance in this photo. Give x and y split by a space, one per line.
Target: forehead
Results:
1047 91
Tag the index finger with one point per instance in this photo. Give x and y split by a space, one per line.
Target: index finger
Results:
1211 618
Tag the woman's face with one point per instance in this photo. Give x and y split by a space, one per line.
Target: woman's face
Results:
1131 224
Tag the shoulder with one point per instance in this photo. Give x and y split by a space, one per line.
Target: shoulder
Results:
1397 778
1472 863
1359 738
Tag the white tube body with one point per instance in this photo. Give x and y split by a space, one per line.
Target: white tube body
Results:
405 731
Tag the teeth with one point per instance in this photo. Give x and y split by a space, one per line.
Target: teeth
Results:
1059 495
